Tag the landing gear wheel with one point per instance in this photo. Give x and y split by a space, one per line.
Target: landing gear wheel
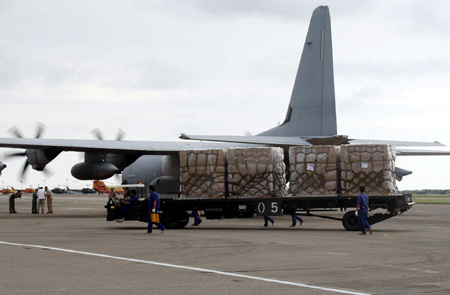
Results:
350 221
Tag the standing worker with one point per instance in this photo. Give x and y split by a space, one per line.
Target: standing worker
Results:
41 200
294 220
197 219
112 194
12 201
34 202
362 205
267 219
153 205
49 196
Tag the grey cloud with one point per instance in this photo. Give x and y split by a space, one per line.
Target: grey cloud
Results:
284 9
16 71
429 16
389 69
150 75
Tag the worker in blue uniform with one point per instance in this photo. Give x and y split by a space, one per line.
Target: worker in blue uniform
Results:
294 220
126 204
153 205
267 219
362 206
197 219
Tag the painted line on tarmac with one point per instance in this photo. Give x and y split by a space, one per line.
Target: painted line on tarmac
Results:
188 268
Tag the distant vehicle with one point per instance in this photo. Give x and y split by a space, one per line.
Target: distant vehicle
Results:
25 191
101 188
58 190
88 191
6 191
85 190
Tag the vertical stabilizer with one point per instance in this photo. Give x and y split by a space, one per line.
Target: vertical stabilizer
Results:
312 108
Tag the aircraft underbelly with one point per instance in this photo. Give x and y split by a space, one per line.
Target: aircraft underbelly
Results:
149 168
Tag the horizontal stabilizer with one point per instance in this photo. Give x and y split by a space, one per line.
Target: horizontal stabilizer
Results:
407 152
395 143
266 140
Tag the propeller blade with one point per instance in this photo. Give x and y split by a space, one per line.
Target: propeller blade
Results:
48 172
39 129
120 135
15 131
24 169
97 133
22 154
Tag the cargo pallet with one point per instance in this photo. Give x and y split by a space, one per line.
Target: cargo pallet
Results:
174 212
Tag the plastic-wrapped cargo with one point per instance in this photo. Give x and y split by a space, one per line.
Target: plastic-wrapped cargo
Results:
256 172
314 170
368 165
203 174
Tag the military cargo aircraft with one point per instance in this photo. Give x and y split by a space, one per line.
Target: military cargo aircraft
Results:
310 120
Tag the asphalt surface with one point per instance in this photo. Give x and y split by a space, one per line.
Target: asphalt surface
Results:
408 254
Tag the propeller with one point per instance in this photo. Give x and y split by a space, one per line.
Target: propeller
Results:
99 135
120 134
40 128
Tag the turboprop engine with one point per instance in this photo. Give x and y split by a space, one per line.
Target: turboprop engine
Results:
36 158
100 165
94 170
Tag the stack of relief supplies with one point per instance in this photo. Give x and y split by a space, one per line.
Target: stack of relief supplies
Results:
203 174
314 170
256 172
368 165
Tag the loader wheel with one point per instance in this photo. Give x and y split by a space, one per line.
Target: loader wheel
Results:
175 219
350 221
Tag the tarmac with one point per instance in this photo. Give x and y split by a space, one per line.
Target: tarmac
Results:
76 251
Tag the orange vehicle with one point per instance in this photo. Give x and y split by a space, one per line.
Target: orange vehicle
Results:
7 191
25 191
101 188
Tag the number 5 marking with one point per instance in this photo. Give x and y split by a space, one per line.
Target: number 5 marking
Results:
274 207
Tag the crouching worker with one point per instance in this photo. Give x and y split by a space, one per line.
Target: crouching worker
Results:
126 204
153 205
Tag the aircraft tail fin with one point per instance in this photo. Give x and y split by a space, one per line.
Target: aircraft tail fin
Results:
312 108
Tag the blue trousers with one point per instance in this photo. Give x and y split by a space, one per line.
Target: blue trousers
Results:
125 210
295 218
267 219
197 218
150 223
362 218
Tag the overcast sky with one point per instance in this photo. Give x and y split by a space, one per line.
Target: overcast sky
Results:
156 69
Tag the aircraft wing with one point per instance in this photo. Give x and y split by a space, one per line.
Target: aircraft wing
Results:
108 146
395 143
261 140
